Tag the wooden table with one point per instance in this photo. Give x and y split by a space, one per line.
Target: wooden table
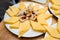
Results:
6 35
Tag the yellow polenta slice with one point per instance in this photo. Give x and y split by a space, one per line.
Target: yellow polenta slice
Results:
41 20
49 38
36 7
58 25
55 7
22 6
37 27
15 25
52 31
47 16
15 10
12 20
57 12
31 6
24 27
42 10
57 2
10 13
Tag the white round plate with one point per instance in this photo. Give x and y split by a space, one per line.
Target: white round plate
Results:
52 10
30 32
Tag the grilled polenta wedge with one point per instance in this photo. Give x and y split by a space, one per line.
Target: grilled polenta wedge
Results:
53 32
11 20
37 27
24 27
15 25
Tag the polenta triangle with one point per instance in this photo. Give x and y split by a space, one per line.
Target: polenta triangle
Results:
53 32
22 6
41 20
15 25
37 27
56 2
24 27
11 20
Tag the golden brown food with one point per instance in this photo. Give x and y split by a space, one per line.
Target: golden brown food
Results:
22 6
55 7
58 25
37 27
15 25
9 12
24 27
42 10
56 2
11 20
30 7
15 10
47 16
52 32
57 12
12 11
41 20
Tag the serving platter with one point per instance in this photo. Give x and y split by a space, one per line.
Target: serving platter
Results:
30 32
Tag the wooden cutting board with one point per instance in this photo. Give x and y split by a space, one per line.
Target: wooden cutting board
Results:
6 35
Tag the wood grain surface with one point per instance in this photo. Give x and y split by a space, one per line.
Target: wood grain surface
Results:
6 35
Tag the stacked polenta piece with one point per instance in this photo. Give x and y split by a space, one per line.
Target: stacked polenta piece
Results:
55 6
22 19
